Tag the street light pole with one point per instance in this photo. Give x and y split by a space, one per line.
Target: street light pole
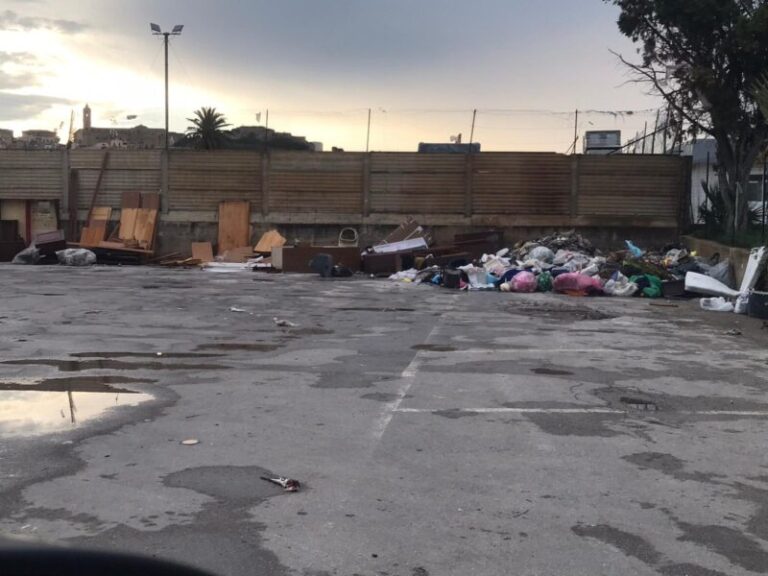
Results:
176 31
165 41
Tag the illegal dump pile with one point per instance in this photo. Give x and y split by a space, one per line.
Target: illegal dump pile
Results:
567 263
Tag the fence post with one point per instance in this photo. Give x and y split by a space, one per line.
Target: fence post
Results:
366 199
165 181
685 217
469 168
62 206
265 183
574 205
73 191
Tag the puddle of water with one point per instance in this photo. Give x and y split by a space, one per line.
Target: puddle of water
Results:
551 371
247 346
143 355
370 309
639 403
35 409
559 312
76 384
107 364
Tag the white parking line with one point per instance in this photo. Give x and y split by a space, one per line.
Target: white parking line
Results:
407 376
512 410
760 413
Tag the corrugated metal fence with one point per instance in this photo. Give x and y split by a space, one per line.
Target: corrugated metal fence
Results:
486 188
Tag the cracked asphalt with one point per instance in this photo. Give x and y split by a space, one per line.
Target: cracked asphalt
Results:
434 432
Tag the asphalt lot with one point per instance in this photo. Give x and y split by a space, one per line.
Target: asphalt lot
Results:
435 432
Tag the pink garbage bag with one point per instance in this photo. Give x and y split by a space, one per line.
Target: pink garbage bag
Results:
523 282
576 283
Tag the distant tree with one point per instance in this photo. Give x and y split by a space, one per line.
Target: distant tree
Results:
207 130
705 57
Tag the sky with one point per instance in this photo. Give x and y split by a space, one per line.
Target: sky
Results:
318 66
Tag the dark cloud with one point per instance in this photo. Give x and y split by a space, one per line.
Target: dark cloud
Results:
25 106
10 20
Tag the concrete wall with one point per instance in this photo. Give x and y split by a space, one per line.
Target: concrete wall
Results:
311 196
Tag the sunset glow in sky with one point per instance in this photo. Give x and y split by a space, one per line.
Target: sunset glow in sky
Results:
319 65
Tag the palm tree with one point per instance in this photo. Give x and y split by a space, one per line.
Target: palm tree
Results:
207 130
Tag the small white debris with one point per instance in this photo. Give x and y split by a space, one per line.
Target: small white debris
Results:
284 323
190 441
235 309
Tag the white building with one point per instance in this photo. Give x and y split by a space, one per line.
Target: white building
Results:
704 170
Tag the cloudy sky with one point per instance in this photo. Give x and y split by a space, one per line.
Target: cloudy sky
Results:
421 66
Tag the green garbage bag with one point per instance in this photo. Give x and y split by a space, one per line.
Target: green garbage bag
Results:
650 285
544 282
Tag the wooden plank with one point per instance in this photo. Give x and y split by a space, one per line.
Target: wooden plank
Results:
234 225
268 241
128 223
74 189
241 254
144 232
101 213
104 161
150 200
114 245
131 199
202 251
94 233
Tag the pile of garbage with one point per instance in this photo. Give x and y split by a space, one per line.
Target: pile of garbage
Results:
569 264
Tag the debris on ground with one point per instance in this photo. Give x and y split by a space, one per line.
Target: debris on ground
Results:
190 442
562 262
733 332
29 255
287 484
76 257
269 240
716 304
284 323
202 251
130 239
569 264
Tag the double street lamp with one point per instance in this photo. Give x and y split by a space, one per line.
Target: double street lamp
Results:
156 31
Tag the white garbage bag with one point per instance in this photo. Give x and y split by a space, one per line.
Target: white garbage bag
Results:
76 257
619 285
717 304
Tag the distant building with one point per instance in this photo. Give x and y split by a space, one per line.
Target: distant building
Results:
6 138
703 155
258 138
38 139
137 137
602 142
448 148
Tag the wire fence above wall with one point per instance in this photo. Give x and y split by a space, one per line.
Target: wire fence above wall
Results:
495 129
